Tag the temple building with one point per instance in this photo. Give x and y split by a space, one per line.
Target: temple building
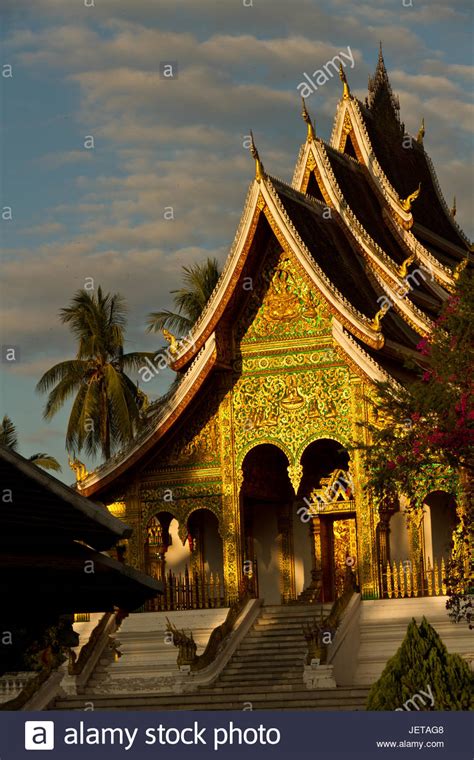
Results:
248 467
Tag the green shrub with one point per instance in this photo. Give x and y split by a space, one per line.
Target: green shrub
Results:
422 666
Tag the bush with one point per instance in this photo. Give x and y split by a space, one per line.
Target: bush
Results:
422 666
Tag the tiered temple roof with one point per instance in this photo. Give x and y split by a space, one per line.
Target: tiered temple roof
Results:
366 221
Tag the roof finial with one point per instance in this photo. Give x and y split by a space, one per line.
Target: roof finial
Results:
376 322
453 208
307 118
346 93
259 170
406 203
421 132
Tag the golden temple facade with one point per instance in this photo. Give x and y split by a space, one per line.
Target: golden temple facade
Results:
248 468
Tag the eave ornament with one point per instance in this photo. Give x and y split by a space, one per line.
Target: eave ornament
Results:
172 340
79 469
459 269
376 322
406 203
403 268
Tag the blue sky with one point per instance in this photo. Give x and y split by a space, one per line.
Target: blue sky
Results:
78 213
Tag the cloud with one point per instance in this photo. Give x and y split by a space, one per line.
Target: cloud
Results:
55 160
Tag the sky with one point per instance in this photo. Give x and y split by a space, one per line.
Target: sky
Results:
97 145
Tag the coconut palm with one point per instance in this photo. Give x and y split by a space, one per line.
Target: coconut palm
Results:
199 281
106 408
9 438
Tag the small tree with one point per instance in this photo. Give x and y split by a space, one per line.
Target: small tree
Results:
422 666
422 435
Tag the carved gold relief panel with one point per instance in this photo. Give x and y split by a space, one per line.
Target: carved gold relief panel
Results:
282 305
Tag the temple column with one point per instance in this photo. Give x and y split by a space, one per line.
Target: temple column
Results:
287 557
316 549
133 516
383 540
232 478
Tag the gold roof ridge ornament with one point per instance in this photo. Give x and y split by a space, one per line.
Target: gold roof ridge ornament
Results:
421 132
377 320
307 119
79 469
403 268
453 208
346 93
172 340
259 170
406 203
459 268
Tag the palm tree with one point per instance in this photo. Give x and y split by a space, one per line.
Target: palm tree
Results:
199 281
9 438
106 409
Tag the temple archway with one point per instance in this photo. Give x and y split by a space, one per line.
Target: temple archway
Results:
326 508
266 498
205 545
439 521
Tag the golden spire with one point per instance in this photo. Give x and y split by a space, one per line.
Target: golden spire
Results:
453 208
403 268
376 322
346 93
307 118
421 132
406 203
259 170
459 268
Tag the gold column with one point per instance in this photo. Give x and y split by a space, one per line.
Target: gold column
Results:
287 557
133 516
317 569
232 479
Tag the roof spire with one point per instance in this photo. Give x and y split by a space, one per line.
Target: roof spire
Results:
346 93
380 81
453 208
259 170
307 118
421 132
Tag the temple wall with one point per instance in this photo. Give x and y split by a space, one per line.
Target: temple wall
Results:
289 387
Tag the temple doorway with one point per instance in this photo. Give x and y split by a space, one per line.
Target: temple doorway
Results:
266 500
326 490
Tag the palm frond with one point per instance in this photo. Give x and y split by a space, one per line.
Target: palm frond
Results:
46 461
68 369
8 434
157 320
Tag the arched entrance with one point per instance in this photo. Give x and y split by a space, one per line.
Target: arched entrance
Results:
266 500
190 568
326 491
439 521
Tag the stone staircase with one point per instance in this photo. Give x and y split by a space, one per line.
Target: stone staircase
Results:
265 672
148 661
383 626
